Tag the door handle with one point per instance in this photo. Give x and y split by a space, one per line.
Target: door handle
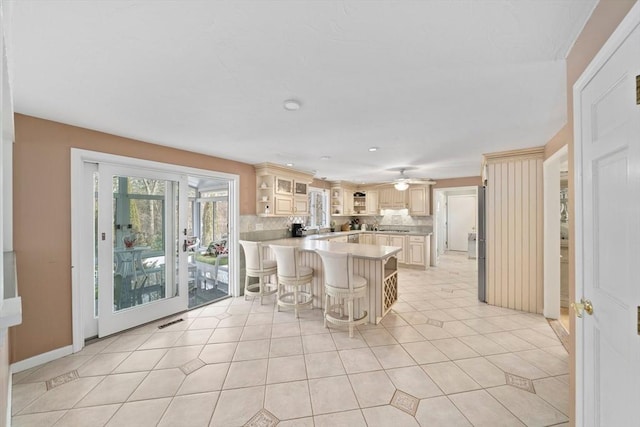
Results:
581 307
184 246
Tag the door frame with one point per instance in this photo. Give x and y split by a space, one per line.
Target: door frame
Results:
629 23
551 194
443 191
78 223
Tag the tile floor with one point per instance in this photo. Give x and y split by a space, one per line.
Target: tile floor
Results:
439 358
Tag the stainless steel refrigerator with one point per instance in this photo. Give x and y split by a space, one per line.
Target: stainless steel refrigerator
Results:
482 245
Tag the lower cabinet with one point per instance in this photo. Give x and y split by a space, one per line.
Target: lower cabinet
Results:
416 254
366 239
392 240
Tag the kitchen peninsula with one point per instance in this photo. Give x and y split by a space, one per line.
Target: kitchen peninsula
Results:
378 264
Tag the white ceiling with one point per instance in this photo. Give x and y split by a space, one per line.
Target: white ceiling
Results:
433 83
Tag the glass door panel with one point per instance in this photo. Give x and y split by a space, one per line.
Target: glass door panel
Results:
139 253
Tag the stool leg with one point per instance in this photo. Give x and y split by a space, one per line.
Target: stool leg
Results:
350 308
326 307
261 287
246 285
295 300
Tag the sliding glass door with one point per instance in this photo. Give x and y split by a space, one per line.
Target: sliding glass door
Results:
141 246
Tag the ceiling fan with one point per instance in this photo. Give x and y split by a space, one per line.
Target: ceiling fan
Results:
402 182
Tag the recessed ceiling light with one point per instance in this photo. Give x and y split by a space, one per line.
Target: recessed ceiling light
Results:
289 164
325 157
373 149
291 105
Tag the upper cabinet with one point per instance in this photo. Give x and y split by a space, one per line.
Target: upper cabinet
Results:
342 202
419 200
390 198
281 191
372 203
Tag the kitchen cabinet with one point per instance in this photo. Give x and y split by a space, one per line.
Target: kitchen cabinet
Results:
341 199
283 205
301 205
390 198
359 203
337 201
392 240
342 239
281 191
366 239
419 200
417 251
348 202
372 203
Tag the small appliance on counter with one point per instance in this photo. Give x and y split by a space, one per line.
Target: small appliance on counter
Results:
297 229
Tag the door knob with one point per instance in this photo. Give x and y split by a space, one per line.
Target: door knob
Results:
581 307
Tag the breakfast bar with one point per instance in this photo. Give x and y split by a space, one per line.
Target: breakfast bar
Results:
378 264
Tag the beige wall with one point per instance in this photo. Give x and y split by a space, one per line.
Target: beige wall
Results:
42 212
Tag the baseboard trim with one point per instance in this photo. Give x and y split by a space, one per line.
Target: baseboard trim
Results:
40 359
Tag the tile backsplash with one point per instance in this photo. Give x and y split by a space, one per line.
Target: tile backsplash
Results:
262 228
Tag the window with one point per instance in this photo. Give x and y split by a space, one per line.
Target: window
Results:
318 208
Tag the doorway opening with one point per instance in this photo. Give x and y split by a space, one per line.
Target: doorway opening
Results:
455 219
556 237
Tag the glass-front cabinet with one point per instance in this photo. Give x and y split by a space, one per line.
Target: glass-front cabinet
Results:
281 191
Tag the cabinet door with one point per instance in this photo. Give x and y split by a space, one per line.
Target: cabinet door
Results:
398 199
382 239
372 202
301 205
366 239
284 186
418 201
283 205
385 197
399 242
300 188
416 254
348 202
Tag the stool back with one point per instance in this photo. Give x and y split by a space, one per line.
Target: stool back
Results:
287 260
252 255
338 269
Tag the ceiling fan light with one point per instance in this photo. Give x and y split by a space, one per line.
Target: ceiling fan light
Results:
401 185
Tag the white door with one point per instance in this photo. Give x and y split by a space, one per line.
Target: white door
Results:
462 212
142 268
608 232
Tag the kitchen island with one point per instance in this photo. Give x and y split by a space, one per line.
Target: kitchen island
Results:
378 264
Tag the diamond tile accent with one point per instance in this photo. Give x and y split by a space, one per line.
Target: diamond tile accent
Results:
62 379
192 366
263 418
434 322
520 382
405 402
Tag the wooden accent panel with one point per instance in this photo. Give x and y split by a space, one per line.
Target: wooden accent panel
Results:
514 230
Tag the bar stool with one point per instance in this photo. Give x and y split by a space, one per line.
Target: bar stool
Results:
343 286
257 266
294 276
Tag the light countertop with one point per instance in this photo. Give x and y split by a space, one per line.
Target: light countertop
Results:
311 243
